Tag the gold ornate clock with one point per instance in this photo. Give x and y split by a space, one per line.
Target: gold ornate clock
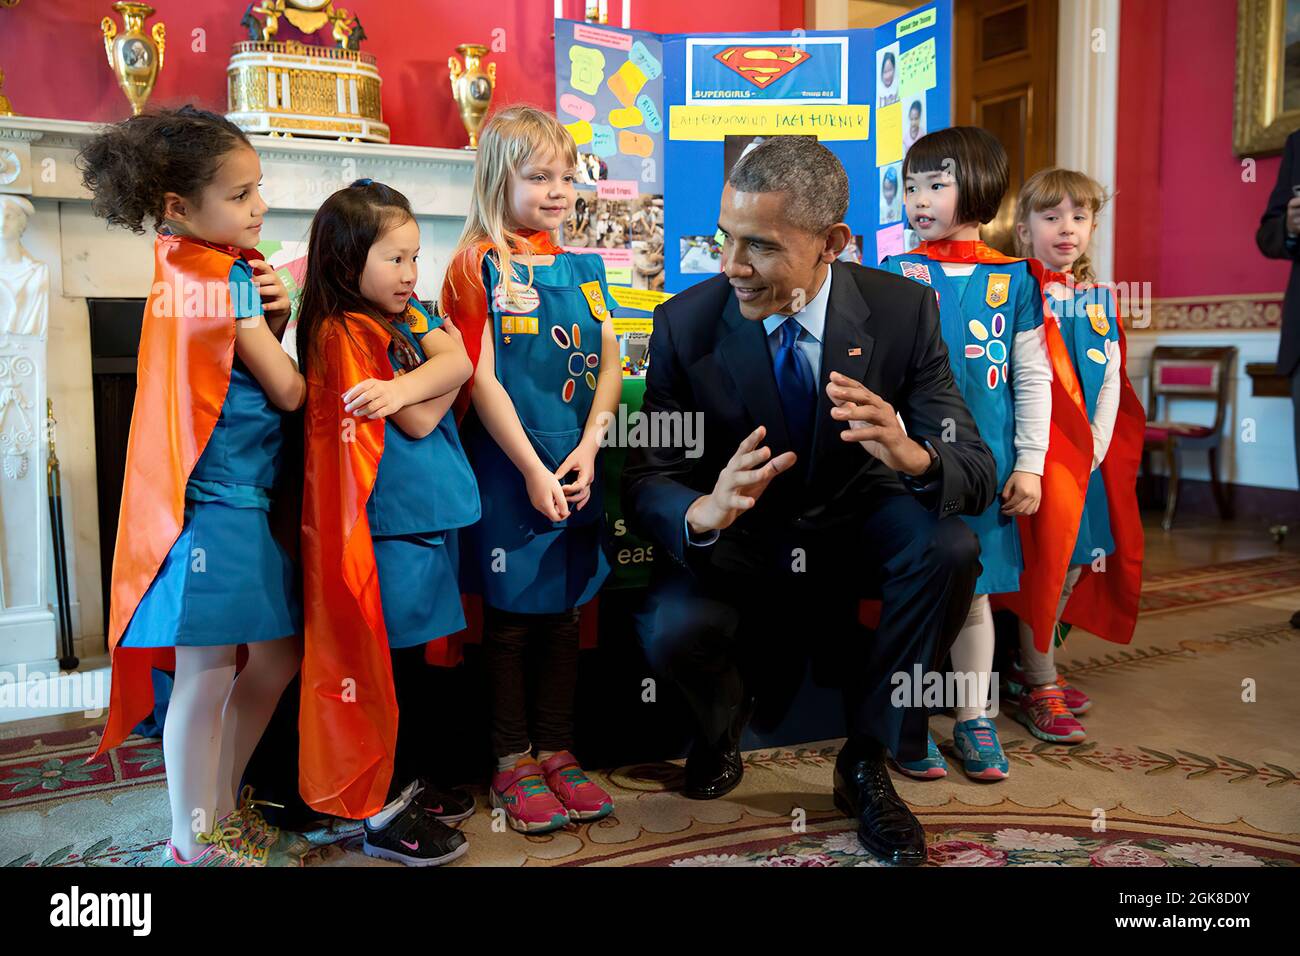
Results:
295 88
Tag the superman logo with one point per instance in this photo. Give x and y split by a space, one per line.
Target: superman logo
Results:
761 65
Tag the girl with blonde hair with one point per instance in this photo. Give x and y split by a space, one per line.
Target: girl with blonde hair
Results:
547 375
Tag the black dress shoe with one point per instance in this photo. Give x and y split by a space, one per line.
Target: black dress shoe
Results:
712 772
886 827
714 769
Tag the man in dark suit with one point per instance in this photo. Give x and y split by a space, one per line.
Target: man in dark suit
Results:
808 492
1278 237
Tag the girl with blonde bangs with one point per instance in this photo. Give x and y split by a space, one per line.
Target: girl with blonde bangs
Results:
547 378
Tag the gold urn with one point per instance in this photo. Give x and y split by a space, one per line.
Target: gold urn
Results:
134 56
471 87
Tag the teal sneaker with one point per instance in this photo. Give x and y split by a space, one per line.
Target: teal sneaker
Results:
931 767
981 752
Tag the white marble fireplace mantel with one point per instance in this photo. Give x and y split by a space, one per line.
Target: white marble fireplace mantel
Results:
88 259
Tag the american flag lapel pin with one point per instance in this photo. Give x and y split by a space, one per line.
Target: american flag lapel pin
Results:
854 352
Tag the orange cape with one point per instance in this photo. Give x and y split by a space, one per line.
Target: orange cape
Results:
1106 604
1047 537
347 723
187 346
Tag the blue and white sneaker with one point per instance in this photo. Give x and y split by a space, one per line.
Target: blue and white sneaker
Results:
931 767
981 752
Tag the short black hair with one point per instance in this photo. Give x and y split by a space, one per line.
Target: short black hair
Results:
129 167
975 158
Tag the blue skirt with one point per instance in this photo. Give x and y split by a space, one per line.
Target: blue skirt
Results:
1000 557
225 581
1094 530
419 586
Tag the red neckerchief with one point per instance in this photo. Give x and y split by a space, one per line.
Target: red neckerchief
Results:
970 250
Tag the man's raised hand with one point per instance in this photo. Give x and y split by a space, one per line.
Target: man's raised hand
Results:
739 485
873 423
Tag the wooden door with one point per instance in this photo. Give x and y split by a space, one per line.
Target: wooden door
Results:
1005 81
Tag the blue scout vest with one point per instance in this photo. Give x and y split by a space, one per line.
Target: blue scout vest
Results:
979 320
242 458
547 345
423 484
1088 321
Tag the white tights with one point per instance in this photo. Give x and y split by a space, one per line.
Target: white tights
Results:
214 721
972 654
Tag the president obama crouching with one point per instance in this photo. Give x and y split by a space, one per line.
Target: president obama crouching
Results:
809 493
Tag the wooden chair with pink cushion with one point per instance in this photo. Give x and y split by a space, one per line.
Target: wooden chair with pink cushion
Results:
1187 373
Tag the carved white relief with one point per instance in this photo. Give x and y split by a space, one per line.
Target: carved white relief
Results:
24 282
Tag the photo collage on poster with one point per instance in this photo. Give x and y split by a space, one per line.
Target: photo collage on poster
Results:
609 94
905 80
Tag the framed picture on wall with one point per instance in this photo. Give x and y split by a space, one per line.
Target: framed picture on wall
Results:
1268 75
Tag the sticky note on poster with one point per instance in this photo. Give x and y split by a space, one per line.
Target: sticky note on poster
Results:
578 107
889 241
624 325
918 21
642 300
616 189
646 60
715 123
586 69
889 134
618 263
608 38
916 67
653 121
602 140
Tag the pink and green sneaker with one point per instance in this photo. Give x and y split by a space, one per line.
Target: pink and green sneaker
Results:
226 847
528 802
1044 712
1076 701
282 849
582 799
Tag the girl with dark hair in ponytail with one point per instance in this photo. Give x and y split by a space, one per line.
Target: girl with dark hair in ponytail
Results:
196 572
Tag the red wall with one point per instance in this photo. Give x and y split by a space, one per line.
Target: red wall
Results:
53 53
1184 220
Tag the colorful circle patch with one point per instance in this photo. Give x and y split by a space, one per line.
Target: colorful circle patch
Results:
993 376
560 336
999 324
977 329
1097 356
591 381
997 351
593 360
575 363
974 351
567 394
577 336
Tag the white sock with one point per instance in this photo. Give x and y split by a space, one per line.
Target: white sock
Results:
972 653
509 760
386 815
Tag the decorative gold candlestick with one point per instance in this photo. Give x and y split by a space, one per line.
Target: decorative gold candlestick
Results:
134 57
471 88
5 108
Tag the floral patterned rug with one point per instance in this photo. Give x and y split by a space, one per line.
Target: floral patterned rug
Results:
1191 761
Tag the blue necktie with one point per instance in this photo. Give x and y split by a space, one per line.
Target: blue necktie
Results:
794 381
